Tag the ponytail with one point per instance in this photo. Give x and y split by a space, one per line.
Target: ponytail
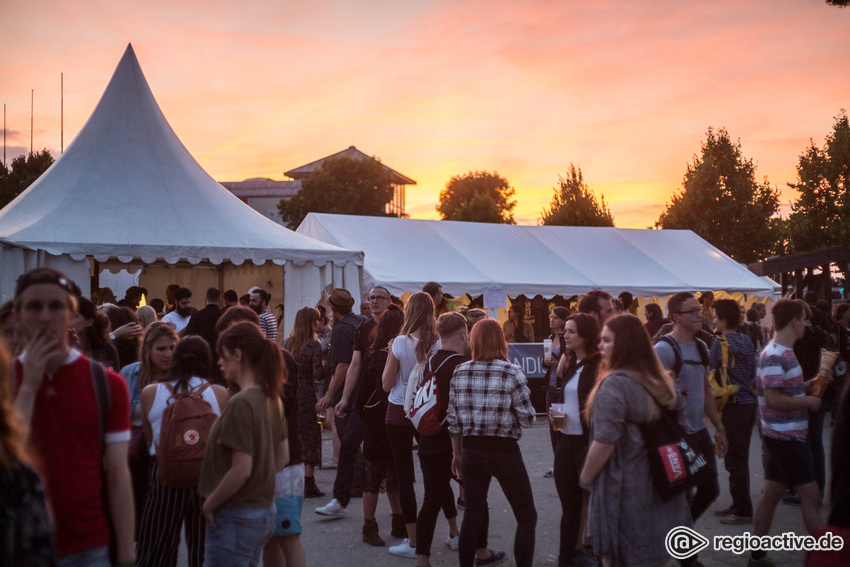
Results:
191 357
262 355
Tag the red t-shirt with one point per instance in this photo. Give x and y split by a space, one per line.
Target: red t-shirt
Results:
65 441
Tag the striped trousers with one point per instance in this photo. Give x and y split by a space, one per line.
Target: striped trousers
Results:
166 510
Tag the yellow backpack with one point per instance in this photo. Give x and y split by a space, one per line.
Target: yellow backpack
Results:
718 378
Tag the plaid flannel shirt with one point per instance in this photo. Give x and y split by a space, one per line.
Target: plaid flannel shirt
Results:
489 399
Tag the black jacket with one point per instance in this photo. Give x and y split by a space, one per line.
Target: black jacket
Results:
586 382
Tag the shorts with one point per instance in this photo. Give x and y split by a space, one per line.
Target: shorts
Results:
788 461
289 500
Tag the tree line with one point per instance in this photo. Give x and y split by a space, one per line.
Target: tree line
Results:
720 198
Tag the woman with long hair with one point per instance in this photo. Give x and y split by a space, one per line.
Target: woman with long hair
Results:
246 448
557 319
307 350
146 315
167 508
28 537
152 367
92 330
417 342
516 329
627 520
489 404
578 376
372 403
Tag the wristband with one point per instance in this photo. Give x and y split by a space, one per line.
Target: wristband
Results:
585 484
329 395
126 564
112 338
719 431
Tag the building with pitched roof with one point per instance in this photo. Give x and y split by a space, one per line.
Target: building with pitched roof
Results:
263 194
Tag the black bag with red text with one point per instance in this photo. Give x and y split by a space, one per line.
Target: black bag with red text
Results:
186 425
674 464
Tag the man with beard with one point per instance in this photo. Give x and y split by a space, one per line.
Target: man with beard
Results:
259 302
182 309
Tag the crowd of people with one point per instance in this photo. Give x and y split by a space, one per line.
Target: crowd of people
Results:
122 425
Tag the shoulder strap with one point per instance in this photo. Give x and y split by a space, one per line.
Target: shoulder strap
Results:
677 354
703 350
442 363
101 392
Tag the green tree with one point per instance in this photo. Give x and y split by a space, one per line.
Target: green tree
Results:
819 216
25 169
342 185
574 204
478 196
722 202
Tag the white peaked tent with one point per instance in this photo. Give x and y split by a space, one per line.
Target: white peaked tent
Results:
127 194
472 258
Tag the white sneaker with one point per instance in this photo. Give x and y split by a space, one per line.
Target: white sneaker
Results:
332 508
453 542
403 549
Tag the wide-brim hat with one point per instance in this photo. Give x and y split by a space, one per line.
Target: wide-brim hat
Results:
341 299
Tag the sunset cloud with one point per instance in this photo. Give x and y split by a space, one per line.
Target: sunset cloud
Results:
624 90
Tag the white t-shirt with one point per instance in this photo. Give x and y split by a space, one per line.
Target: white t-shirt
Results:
175 319
161 400
404 350
572 425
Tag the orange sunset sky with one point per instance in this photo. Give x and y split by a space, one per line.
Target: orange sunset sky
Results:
624 90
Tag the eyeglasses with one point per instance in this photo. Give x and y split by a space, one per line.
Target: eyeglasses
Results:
377 298
691 313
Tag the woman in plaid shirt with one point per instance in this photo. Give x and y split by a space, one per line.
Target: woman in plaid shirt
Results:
489 404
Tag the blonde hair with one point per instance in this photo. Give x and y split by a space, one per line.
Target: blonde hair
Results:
154 332
419 317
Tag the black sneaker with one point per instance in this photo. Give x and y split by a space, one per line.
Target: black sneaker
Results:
461 504
495 558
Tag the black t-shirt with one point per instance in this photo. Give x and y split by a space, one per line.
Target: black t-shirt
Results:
442 441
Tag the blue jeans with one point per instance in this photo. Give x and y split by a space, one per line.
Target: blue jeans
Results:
238 535
95 557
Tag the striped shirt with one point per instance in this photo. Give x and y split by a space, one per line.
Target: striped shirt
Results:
268 324
489 399
778 368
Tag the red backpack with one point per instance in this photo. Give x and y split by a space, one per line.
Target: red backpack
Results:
186 425
425 409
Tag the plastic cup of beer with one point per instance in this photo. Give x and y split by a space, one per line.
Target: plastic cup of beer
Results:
559 416
547 348
827 359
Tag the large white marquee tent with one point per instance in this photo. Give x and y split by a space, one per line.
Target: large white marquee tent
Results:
127 194
474 258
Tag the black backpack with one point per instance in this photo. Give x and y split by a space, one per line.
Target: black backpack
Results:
677 352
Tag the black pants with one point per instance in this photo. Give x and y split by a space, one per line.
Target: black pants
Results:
815 439
352 436
401 444
708 491
478 468
569 459
738 420
437 476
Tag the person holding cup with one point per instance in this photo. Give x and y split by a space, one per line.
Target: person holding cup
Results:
577 373
553 348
